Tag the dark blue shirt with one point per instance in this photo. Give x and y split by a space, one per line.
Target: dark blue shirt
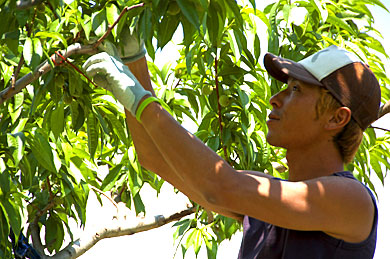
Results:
265 241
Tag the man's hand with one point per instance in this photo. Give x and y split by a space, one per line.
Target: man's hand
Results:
133 48
110 73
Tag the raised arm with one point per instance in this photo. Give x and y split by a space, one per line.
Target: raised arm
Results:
148 154
305 205
186 162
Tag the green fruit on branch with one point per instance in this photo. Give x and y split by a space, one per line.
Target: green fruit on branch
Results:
59 80
224 100
207 89
173 8
180 69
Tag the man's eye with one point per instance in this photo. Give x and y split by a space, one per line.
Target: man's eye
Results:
295 88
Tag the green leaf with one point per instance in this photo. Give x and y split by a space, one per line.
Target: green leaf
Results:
32 52
232 5
16 143
93 134
28 50
99 23
42 150
273 36
213 143
13 214
197 241
111 177
322 11
138 204
257 47
112 13
167 28
87 27
214 24
236 48
44 35
211 246
54 233
189 11
75 87
191 237
27 173
5 183
6 72
117 126
57 119
4 227
340 23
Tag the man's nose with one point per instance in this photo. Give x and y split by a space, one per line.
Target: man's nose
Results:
276 100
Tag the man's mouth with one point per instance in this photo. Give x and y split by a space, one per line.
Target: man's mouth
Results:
272 116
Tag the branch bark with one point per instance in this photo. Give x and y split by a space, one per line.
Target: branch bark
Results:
118 227
385 109
43 68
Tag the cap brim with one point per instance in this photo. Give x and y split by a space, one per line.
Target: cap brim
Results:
281 69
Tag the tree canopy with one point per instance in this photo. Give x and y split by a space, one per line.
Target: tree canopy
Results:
61 137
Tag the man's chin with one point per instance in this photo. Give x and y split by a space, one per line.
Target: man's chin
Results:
273 140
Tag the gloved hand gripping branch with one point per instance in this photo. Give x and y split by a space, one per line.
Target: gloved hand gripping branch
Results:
110 73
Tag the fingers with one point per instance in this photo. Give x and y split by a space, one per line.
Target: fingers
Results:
98 58
101 80
98 68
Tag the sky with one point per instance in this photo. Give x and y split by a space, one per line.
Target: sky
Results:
158 243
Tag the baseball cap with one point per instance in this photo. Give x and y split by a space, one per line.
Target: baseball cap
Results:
346 77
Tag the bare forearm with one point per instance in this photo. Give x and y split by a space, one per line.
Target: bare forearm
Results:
149 155
198 166
142 142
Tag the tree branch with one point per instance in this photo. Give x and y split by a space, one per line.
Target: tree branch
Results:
118 227
385 109
43 68
36 239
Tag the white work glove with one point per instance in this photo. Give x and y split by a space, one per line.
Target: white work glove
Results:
132 48
110 73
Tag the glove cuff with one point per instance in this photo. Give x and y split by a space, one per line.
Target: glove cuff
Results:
136 57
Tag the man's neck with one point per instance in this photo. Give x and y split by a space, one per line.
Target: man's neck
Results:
313 162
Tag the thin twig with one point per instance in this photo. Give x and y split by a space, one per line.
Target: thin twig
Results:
105 195
379 128
219 108
125 10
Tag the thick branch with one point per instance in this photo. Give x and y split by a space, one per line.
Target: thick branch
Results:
42 69
385 109
36 239
118 227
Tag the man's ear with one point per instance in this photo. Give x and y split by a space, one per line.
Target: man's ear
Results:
340 117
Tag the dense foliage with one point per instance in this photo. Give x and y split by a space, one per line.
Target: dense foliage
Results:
60 135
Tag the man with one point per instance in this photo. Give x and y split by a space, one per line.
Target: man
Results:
321 211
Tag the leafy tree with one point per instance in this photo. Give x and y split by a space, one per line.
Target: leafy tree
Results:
60 137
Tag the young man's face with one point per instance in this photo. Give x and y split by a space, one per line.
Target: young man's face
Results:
292 122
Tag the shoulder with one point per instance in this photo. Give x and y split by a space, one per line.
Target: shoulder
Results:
350 202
